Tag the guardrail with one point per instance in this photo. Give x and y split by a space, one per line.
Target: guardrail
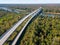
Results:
20 33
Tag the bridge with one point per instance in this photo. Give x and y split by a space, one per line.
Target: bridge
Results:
7 34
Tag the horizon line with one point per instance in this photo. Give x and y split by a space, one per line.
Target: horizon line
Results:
29 3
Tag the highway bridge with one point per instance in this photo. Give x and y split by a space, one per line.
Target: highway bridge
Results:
20 33
7 34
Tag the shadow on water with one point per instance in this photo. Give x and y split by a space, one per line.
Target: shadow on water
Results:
21 37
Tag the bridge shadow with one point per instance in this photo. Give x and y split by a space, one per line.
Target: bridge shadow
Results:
21 37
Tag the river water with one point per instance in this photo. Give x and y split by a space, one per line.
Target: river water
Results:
50 15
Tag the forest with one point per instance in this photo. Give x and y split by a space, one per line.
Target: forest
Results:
42 31
15 33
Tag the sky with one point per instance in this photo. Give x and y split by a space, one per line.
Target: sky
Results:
29 1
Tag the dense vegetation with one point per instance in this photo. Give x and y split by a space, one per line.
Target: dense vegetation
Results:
2 12
8 19
42 31
15 33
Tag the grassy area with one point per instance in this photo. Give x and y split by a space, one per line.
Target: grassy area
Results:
14 34
42 31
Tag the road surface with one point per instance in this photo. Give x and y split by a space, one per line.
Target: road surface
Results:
20 33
